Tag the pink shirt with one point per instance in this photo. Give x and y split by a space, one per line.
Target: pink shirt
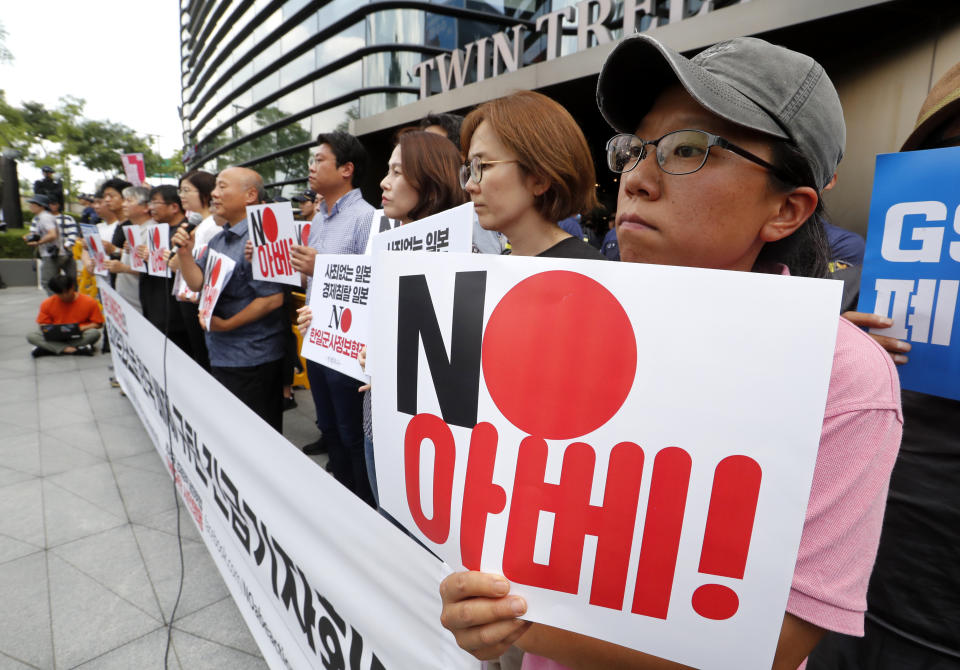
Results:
861 433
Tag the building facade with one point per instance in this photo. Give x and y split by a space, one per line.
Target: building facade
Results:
262 78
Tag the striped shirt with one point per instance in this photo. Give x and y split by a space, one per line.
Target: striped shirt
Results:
344 230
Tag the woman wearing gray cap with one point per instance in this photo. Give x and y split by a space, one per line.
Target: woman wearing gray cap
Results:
737 144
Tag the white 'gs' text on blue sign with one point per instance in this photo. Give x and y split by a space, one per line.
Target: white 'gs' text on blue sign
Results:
911 269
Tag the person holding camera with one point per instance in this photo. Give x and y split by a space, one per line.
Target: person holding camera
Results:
45 238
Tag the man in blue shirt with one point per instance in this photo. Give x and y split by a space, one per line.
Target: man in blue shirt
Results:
341 226
245 333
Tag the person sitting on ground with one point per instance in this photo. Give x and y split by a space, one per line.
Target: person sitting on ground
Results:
67 306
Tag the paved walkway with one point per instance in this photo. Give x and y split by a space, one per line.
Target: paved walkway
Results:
89 562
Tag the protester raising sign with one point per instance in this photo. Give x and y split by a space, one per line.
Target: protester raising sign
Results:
134 168
450 230
135 237
215 276
339 590
607 409
340 304
158 243
91 235
911 270
273 232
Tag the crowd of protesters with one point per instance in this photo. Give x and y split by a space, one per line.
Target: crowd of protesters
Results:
722 178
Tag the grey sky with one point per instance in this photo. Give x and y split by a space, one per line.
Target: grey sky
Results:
121 56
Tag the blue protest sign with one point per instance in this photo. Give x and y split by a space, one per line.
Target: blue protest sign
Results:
911 270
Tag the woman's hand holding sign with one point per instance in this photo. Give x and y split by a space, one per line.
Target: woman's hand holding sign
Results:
481 615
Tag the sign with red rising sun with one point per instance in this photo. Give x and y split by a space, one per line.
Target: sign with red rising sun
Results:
91 235
340 301
631 446
216 273
273 231
158 243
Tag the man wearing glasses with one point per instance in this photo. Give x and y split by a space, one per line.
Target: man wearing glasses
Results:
340 226
156 297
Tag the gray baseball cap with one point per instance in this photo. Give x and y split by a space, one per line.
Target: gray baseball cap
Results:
747 81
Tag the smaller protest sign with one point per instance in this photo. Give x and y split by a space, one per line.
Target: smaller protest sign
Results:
911 269
136 237
217 272
181 291
91 235
273 231
340 304
450 230
134 168
379 223
302 232
158 244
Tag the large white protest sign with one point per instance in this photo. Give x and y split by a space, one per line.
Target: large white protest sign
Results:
135 237
273 231
450 230
339 587
215 276
340 304
158 243
632 446
91 235
134 168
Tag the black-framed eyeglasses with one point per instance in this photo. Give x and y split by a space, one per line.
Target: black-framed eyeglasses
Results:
678 152
474 170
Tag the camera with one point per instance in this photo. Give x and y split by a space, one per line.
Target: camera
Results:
32 237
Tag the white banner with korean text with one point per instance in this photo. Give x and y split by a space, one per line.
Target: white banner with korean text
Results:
321 579
632 446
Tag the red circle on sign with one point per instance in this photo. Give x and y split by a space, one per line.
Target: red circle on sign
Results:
346 320
214 273
713 601
93 245
269 224
559 355
305 234
156 238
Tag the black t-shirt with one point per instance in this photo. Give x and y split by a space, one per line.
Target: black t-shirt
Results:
915 586
573 247
157 300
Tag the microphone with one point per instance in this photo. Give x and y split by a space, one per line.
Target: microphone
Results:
190 227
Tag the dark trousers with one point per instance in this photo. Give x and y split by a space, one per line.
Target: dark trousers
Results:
259 387
878 649
198 342
340 419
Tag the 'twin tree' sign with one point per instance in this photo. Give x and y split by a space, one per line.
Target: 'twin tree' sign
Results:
632 446
273 232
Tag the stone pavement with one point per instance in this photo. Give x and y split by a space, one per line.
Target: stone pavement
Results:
89 563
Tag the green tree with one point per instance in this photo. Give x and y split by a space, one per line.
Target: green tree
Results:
63 135
5 55
276 169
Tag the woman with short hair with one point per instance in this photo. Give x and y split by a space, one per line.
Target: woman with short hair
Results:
527 166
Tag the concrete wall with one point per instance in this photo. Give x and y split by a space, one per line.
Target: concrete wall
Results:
18 271
881 99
